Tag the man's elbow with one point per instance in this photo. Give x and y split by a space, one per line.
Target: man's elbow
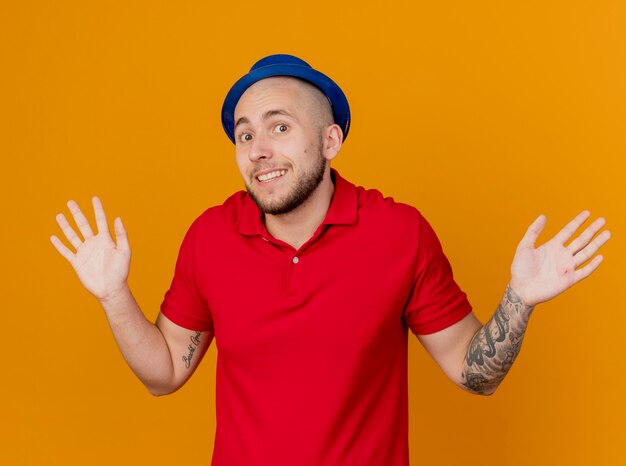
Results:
159 391
483 392
162 389
477 384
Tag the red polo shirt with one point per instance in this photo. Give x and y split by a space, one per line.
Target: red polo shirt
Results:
312 343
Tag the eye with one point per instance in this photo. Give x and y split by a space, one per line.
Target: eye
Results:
245 137
281 127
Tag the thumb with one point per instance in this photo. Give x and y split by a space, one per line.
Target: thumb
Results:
121 238
533 232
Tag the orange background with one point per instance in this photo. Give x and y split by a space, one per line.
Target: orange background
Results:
482 114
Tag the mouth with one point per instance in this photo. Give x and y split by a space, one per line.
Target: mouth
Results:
270 175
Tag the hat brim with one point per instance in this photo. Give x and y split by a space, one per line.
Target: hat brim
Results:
336 97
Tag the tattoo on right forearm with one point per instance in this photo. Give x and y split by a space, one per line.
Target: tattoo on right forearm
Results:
195 341
495 346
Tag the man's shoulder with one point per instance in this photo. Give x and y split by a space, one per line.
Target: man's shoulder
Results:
373 203
384 217
221 216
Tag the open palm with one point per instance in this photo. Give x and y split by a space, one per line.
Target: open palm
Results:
101 265
540 274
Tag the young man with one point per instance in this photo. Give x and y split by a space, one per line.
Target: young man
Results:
309 285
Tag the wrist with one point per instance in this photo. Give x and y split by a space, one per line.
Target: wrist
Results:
515 295
115 296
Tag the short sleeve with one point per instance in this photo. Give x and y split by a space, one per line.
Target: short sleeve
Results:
183 303
436 301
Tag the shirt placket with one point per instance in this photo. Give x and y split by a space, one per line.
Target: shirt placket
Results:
293 257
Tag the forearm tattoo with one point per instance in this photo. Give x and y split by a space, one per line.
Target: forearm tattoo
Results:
496 345
195 341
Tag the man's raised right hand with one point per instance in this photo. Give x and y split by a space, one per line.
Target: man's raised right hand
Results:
101 265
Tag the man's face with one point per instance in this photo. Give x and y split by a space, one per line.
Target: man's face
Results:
279 144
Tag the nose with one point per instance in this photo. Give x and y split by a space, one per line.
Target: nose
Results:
260 148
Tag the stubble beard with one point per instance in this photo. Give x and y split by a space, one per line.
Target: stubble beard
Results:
304 188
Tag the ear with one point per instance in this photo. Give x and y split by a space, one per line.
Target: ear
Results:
332 138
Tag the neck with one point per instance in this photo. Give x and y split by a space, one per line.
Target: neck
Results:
298 226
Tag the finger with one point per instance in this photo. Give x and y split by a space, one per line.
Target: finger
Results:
101 218
587 253
63 250
81 221
533 232
583 239
121 238
584 272
69 232
569 229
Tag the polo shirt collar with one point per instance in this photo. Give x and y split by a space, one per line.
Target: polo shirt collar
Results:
342 209
343 205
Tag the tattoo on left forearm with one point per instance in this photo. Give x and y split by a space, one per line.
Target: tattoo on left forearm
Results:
495 346
195 341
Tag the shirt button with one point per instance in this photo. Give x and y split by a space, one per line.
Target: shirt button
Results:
295 260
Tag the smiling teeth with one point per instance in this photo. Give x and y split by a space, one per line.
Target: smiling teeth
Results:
271 175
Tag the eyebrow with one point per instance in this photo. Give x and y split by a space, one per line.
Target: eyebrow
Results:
266 115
